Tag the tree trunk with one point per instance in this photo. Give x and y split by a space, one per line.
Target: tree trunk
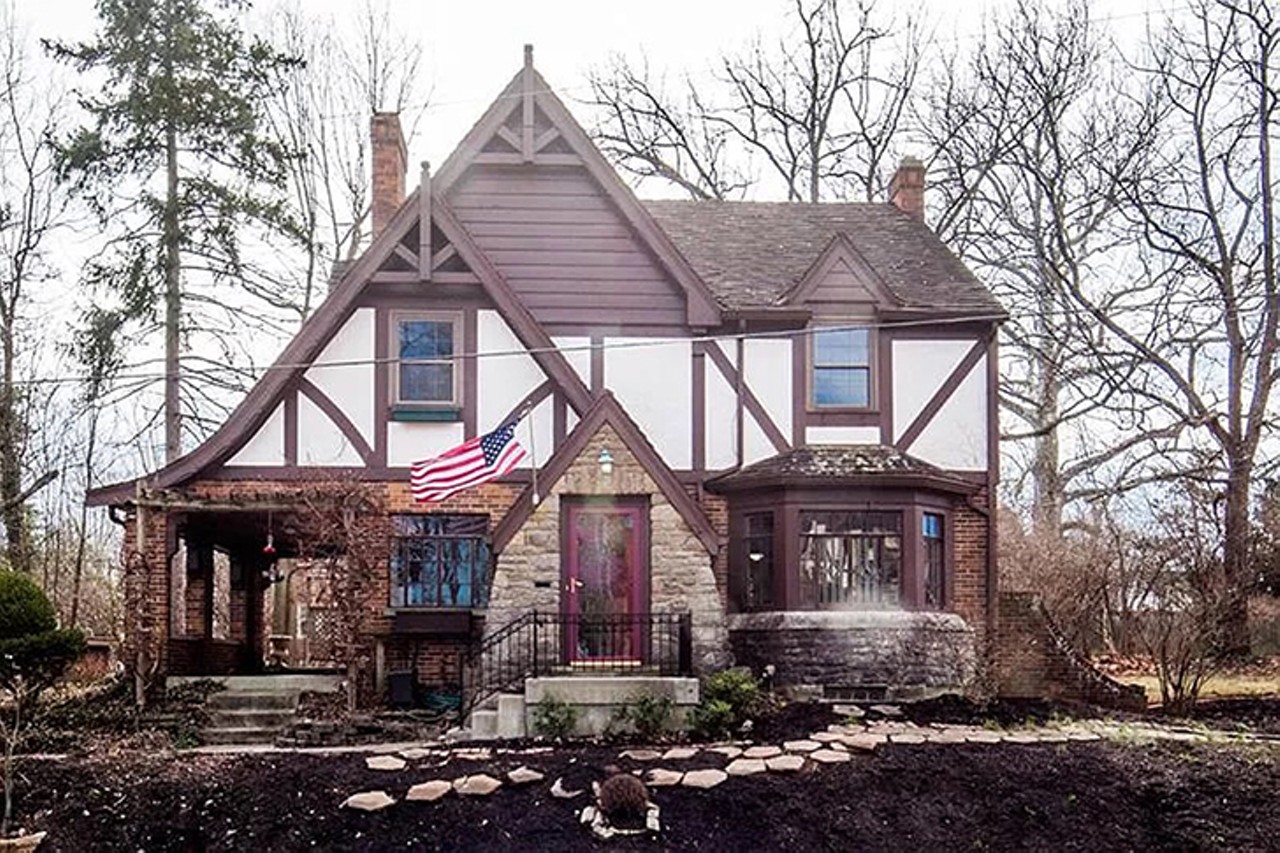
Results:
172 304
84 509
1236 564
17 532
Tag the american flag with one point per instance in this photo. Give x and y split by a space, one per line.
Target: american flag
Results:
471 463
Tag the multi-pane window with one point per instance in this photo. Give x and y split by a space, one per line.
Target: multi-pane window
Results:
425 369
851 558
934 556
757 584
841 368
439 561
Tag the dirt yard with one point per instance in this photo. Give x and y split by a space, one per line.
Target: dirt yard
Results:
1091 796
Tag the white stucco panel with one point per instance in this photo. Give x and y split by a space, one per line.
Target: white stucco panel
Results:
320 441
266 447
577 351
503 379
757 444
349 382
919 369
722 416
653 380
956 438
842 435
768 375
536 433
412 442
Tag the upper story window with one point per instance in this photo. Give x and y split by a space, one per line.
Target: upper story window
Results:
840 366
439 560
426 372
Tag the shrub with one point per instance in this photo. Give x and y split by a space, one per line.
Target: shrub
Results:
648 714
729 698
623 798
554 718
24 608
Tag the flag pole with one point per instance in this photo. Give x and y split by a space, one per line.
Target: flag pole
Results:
533 453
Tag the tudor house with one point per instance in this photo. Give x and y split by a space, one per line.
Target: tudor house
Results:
764 433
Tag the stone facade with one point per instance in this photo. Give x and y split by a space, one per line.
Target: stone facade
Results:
528 575
856 654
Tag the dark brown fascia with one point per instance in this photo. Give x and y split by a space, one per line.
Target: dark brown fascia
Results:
700 305
770 314
606 409
916 480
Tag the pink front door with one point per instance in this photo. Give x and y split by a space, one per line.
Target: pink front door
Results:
605 581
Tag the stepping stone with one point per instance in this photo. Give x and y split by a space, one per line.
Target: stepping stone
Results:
838 746
561 793
429 792
728 751
1083 736
484 754
762 752
745 767
907 737
849 711
1052 737
524 776
827 737
385 762
679 753
865 742
784 763
948 737
641 754
830 756
984 737
704 778
802 745
1021 737
415 754
887 710
660 777
479 785
368 801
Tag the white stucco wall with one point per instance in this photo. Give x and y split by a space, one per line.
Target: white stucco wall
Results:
536 434
842 435
919 369
349 386
503 380
654 383
410 442
956 438
721 419
756 443
320 441
266 447
576 352
768 375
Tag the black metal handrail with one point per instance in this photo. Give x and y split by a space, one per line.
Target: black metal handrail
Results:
538 643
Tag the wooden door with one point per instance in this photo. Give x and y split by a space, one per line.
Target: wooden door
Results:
605 582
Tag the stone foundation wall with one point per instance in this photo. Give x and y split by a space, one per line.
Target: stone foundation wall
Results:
858 653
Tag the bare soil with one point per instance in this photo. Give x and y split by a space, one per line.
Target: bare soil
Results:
1094 796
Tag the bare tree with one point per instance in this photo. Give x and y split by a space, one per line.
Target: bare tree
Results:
820 111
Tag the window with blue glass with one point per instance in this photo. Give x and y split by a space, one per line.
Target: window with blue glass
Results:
841 368
426 373
934 559
439 561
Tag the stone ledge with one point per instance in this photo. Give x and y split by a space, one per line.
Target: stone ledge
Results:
842 620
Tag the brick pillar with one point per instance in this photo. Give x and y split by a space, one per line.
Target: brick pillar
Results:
906 190
389 157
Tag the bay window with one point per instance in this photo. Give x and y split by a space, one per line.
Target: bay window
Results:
439 561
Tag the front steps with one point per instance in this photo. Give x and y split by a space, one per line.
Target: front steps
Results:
254 709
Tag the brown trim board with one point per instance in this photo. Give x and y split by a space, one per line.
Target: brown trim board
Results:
940 397
699 406
339 418
291 426
749 399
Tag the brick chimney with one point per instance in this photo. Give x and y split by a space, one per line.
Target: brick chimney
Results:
906 190
389 160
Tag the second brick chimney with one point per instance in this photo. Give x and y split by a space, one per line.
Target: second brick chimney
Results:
906 190
389 157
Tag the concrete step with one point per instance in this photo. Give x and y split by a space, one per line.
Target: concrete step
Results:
483 724
311 681
255 701
239 735
251 718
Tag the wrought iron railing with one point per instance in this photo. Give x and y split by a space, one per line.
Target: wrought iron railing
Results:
538 643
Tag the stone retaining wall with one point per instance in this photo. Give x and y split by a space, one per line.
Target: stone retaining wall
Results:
858 653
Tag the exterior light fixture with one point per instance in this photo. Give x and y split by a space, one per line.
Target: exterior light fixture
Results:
755 556
606 461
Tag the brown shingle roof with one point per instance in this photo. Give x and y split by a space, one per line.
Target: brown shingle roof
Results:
751 254
838 465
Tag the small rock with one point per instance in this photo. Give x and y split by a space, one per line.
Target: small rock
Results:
588 814
830 756
745 767
479 785
887 710
524 776
679 753
704 778
801 745
653 818
762 752
660 777
641 754
385 762
907 737
561 793
368 801
429 792
785 763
